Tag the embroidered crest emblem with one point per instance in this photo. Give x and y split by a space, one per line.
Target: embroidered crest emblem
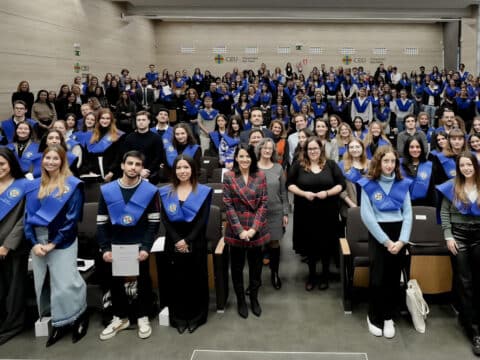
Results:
423 175
170 148
67 189
127 219
453 173
378 196
172 208
165 141
13 193
28 154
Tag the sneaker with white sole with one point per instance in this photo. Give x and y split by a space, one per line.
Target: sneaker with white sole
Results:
114 327
374 330
144 328
388 329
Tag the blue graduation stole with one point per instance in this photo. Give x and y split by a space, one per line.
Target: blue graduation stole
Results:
11 197
71 143
430 131
338 108
405 83
404 107
167 136
296 106
342 150
319 109
431 92
447 190
172 153
127 214
192 204
386 202
452 92
375 101
419 89
331 86
478 106
361 108
265 98
352 175
231 142
83 137
240 110
8 127
215 136
362 135
192 109
198 78
419 185
448 165
381 142
103 144
43 212
462 103
179 83
27 157
382 114
208 115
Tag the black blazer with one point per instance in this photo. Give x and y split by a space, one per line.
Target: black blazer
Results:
139 97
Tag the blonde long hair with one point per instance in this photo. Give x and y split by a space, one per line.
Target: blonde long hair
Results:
47 184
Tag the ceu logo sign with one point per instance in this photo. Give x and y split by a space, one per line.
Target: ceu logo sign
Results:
219 59
347 60
378 196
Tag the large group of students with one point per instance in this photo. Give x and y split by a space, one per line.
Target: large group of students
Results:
335 138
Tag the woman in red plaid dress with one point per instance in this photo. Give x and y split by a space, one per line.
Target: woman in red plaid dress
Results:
245 198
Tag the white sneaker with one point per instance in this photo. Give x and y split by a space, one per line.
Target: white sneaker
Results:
144 328
115 326
374 330
388 329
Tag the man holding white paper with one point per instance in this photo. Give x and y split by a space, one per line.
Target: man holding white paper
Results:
127 221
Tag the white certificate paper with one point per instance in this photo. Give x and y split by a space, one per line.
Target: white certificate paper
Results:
125 260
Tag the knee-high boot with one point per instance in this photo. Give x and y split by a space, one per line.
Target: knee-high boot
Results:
274 265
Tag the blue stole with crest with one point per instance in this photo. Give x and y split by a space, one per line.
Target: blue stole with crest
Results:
208 116
215 136
190 207
342 150
167 136
319 109
404 107
420 183
447 190
11 197
361 108
382 114
103 144
41 212
127 214
386 202
172 153
352 175
27 157
192 109
448 164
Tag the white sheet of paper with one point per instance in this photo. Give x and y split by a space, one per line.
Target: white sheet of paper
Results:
158 245
125 260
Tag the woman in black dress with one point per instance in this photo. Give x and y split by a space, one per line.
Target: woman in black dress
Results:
185 210
316 183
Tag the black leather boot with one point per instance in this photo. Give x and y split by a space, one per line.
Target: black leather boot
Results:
57 334
255 305
274 265
242 306
80 327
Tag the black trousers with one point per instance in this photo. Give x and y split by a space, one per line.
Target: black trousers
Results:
466 267
385 270
120 302
254 256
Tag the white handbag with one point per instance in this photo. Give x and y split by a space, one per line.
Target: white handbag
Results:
417 305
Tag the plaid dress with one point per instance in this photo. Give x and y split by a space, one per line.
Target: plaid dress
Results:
246 207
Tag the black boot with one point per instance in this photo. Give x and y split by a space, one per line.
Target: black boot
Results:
256 309
242 306
80 327
274 265
311 281
57 334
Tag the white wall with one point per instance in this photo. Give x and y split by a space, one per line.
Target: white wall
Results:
268 36
38 37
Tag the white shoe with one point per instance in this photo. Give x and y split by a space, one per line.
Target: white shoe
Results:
115 326
374 330
144 328
388 329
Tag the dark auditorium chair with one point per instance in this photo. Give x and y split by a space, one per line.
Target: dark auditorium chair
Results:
354 261
216 176
217 196
87 231
202 177
92 192
209 163
430 259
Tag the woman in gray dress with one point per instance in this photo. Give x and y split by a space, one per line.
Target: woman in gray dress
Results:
277 213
